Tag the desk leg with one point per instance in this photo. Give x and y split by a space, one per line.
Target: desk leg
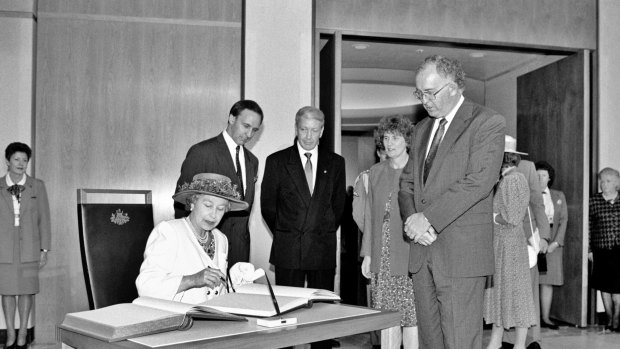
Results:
391 337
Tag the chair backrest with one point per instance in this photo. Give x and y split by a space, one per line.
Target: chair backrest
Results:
112 241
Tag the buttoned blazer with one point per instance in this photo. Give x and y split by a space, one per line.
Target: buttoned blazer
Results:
457 197
560 216
34 220
172 251
303 225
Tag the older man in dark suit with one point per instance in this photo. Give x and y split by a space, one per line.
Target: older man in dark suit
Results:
302 201
446 203
225 154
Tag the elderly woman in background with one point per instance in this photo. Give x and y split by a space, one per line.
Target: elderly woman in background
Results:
510 302
185 259
605 244
557 215
25 239
384 248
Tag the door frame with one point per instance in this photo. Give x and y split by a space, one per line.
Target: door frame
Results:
591 117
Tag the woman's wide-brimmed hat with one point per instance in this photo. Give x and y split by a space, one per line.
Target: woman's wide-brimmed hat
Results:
211 184
511 146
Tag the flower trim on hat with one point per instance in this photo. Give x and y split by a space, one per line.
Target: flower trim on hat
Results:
215 186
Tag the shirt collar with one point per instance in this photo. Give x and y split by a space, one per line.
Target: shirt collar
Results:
452 112
232 146
9 181
302 151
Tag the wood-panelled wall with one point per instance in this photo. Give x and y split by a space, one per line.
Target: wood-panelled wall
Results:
560 23
124 88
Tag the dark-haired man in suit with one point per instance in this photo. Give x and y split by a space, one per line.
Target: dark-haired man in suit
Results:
302 200
446 203
225 154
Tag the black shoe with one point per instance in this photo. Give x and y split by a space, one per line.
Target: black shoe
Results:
548 325
506 345
534 345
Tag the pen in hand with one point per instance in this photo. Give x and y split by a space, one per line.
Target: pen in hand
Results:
222 278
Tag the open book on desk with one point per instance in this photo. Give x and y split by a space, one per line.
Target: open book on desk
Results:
255 299
312 294
144 316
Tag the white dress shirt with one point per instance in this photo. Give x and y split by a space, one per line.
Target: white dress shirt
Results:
449 119
232 148
16 204
549 210
313 159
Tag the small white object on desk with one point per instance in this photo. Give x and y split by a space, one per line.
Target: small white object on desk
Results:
276 322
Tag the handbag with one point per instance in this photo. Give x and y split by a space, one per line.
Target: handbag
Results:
533 246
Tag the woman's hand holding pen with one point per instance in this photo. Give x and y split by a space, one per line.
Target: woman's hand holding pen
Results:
209 277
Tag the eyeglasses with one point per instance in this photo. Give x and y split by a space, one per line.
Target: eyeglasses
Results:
431 96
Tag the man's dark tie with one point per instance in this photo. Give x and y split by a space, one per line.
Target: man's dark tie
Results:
240 174
428 163
308 171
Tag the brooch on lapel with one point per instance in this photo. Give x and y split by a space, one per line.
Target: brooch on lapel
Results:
559 202
324 171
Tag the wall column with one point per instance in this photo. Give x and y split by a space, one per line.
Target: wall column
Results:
278 76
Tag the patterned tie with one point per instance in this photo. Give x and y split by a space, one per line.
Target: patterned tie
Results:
308 170
428 163
240 174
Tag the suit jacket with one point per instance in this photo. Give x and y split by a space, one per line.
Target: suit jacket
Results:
34 220
537 205
457 197
213 156
172 252
560 217
303 226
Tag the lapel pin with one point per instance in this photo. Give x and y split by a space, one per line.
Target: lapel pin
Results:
324 171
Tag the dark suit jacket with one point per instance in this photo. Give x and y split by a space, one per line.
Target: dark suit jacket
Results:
34 220
457 198
212 156
303 226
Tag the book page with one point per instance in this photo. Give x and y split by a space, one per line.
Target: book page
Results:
288 291
254 304
164 304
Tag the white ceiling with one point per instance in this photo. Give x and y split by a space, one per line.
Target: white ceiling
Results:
378 80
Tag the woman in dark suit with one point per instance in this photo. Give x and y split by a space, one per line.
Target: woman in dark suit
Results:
24 240
557 215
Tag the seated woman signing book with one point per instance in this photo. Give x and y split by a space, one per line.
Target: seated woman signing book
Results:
185 259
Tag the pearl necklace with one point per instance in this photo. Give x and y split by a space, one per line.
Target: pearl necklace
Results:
207 242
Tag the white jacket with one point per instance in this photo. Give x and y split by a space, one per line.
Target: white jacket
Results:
172 251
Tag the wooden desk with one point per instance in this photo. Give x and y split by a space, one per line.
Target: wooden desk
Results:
322 321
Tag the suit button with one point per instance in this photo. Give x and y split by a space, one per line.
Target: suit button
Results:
217 292
424 201
208 293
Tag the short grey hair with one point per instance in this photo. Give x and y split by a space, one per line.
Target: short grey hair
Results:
446 68
311 113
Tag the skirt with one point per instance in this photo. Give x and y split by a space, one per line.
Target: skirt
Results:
605 270
18 278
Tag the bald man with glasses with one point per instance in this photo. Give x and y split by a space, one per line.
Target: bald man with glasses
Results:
446 203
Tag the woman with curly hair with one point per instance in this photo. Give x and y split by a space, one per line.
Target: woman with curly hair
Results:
384 247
